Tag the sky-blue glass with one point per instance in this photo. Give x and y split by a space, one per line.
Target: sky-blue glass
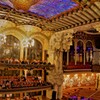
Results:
49 8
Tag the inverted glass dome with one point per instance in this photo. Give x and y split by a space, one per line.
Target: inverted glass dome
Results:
47 8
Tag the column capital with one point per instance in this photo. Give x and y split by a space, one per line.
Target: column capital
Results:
56 77
61 40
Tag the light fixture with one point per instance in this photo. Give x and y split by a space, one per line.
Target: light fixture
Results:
28 42
2 39
23 4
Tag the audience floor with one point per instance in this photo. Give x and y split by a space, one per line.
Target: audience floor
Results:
88 92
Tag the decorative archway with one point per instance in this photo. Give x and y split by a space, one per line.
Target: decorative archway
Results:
35 52
72 54
10 49
15 32
21 34
89 51
80 54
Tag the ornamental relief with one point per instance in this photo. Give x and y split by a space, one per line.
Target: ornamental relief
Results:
79 80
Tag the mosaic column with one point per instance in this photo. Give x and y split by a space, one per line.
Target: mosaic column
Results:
51 57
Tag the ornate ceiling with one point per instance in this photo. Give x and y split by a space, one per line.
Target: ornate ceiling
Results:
45 8
55 15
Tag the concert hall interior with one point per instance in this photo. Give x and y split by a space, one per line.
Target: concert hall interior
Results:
49 49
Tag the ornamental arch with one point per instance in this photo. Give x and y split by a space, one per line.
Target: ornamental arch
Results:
20 35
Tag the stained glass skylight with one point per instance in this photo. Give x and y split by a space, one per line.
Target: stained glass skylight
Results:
47 8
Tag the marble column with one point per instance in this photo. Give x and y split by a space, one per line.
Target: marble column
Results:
25 72
21 52
26 50
84 48
21 72
42 78
43 55
84 57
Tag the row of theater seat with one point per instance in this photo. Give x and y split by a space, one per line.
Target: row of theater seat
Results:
22 82
77 67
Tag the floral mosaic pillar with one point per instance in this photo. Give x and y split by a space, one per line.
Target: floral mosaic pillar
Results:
59 41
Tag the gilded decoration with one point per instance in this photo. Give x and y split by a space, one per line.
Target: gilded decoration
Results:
23 4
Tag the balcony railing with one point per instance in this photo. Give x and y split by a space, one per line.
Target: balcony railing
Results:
47 66
24 89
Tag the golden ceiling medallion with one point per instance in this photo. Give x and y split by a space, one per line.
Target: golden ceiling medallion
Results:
23 4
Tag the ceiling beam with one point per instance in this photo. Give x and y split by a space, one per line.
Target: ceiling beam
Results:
96 10
89 10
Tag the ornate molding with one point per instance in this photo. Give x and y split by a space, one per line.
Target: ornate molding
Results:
86 27
19 17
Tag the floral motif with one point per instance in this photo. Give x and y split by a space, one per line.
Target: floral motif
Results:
79 80
61 41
